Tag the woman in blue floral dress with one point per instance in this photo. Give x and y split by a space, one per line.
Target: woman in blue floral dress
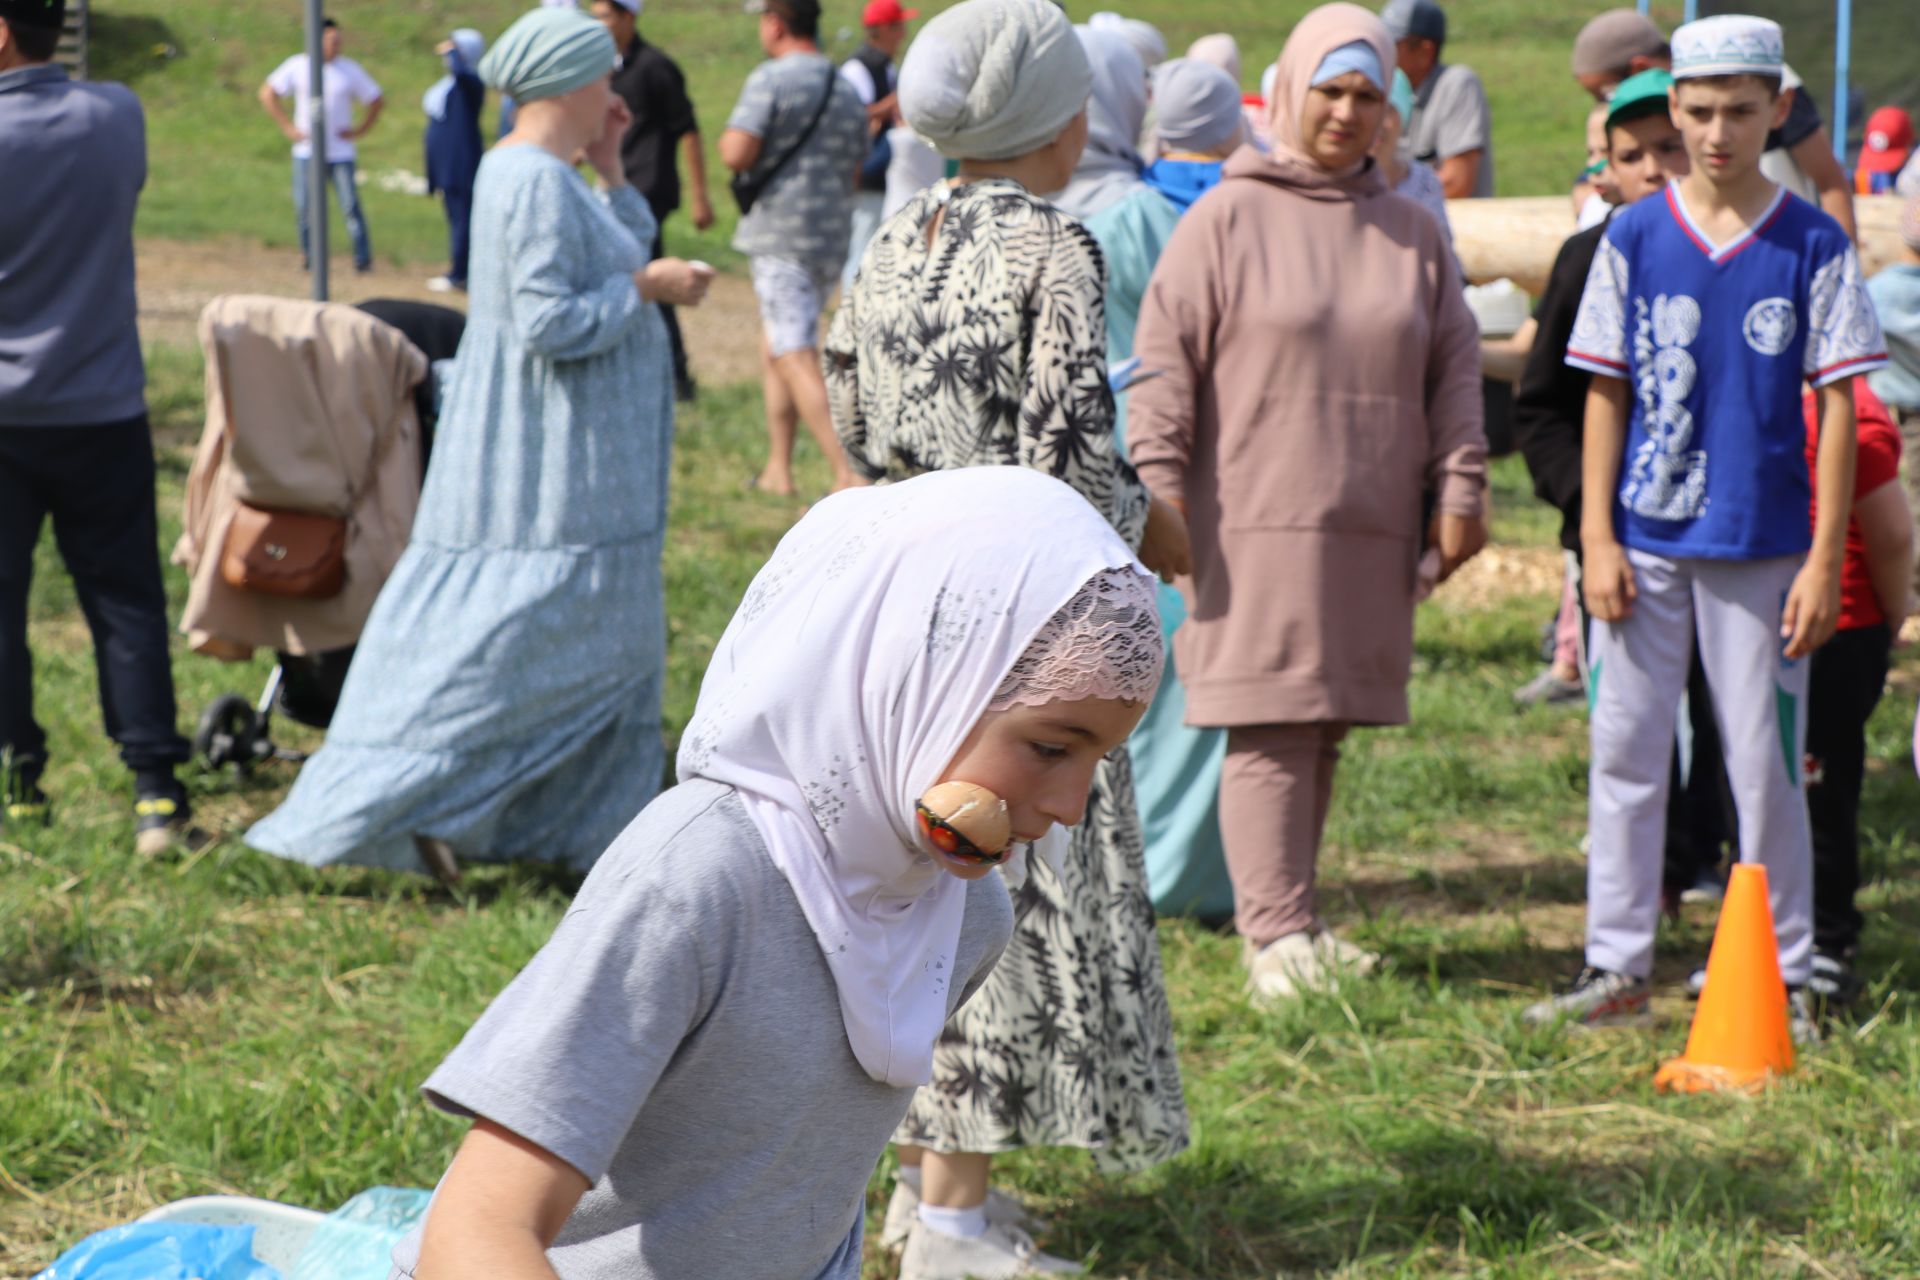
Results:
504 701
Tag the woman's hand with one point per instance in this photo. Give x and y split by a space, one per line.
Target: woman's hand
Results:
603 153
674 281
1165 548
1458 539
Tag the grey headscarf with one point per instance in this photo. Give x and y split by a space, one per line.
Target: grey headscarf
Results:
1109 168
1143 36
1196 105
994 79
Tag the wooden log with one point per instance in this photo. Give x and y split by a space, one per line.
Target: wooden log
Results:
1518 237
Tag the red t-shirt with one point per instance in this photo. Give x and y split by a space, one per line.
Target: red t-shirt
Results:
1879 463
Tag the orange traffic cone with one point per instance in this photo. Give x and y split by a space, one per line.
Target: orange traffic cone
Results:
1739 1038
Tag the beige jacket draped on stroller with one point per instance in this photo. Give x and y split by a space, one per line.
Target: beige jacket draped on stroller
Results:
309 408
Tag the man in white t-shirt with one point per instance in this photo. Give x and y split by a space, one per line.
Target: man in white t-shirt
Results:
872 73
343 84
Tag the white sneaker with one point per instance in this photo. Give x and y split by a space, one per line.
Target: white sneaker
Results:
1286 967
441 284
1003 1253
903 1210
1311 960
1341 954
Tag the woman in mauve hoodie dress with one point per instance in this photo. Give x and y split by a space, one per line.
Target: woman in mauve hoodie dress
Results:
1316 415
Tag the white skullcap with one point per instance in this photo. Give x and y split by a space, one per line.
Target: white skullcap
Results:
1196 105
994 79
1729 45
1143 36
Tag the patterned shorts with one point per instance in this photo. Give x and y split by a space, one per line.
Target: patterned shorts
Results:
792 292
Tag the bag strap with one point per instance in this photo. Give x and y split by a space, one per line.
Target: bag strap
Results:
826 97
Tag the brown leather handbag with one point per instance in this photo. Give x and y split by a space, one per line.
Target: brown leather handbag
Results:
275 552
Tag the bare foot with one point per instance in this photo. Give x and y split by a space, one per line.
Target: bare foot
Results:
849 481
771 485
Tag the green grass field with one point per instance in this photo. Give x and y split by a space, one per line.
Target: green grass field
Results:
220 168
226 1022
229 1022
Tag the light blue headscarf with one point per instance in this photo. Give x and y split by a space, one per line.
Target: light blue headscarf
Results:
468 45
1401 96
547 53
1356 55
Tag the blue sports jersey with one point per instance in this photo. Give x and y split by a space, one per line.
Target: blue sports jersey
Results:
1715 344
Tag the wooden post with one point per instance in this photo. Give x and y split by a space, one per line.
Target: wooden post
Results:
1518 238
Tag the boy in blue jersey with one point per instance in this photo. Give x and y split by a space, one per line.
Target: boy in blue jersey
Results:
1704 311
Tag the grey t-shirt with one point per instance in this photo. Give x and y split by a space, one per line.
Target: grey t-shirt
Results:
678 1041
807 210
74 157
1450 117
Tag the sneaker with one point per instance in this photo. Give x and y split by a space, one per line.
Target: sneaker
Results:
1697 982
1596 998
1338 953
1709 888
1803 1017
1834 984
26 805
164 820
1549 690
1003 1253
1286 967
903 1210
446 284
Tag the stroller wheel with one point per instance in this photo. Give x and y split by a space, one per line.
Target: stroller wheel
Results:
229 732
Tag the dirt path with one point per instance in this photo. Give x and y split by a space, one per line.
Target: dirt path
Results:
178 279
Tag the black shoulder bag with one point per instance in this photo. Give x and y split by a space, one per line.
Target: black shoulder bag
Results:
747 189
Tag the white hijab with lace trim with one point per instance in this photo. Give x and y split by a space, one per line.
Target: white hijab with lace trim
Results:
887 622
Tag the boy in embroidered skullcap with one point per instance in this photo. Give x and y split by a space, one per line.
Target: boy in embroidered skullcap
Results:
1704 312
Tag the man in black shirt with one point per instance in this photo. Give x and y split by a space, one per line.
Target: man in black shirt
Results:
656 93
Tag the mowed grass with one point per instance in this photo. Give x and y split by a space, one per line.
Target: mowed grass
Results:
230 1022
219 168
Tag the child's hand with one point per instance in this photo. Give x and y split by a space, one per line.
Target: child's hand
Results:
1606 579
1812 610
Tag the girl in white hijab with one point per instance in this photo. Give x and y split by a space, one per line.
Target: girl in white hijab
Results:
1110 166
698 1071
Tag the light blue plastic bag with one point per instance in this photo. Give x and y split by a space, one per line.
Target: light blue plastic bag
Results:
163 1251
356 1241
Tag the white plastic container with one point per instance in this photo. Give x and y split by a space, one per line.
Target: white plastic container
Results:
280 1231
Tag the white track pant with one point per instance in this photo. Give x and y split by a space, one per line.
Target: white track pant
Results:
1639 671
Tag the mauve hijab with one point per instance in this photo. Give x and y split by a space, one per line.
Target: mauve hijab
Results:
1314 37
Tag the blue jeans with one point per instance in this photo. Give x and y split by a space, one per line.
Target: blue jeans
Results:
342 175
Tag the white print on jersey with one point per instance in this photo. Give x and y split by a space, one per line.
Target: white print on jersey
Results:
1667 481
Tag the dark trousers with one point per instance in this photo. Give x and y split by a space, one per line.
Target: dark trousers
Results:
1849 672
674 342
97 485
459 223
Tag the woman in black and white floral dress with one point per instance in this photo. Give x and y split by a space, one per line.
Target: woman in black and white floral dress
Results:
975 334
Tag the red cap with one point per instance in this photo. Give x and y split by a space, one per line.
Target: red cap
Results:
1889 139
880 13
